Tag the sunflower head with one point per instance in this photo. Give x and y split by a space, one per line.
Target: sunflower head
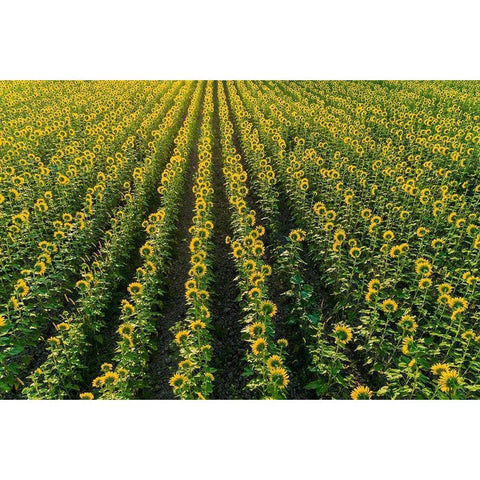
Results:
342 334
449 381
361 393
259 346
279 376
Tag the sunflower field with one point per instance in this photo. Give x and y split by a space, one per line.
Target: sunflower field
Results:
239 239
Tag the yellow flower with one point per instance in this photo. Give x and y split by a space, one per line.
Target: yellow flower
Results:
259 346
178 381
268 308
408 323
354 252
279 377
197 325
444 289
126 329
407 344
458 304
87 396
389 306
343 334
361 393
449 381
257 329
282 342
21 288
274 361
181 336
297 235
424 283
135 288
374 285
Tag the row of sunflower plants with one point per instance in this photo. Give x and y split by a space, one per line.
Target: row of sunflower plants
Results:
141 313
194 376
265 357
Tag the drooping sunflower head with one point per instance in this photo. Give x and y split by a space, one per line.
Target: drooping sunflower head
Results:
424 283
444 289
361 393
279 377
126 329
135 288
181 336
256 329
197 325
342 334
268 308
389 306
178 381
449 381
274 361
388 236
408 323
407 345
259 346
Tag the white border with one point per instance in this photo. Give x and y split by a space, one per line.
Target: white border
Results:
239 439
251 39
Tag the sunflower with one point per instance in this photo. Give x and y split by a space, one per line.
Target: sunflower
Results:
339 235
361 393
343 334
254 293
106 367
185 364
3 322
126 329
268 308
458 304
297 235
423 267
449 381
279 377
197 325
469 335
256 329
274 361
408 323
388 236
259 346
424 283
354 252
389 306
98 382
407 345
135 288
181 336
21 288
127 308
374 285
178 381
86 396
444 289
